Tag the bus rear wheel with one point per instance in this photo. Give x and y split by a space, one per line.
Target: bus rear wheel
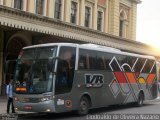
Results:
83 106
140 99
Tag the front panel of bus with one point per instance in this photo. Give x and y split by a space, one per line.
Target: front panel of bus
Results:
43 79
33 82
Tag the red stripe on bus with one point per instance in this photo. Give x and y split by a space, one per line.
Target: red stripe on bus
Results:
150 78
131 77
120 77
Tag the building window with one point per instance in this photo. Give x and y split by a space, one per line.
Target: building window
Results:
58 10
18 4
87 16
39 6
121 28
99 20
73 12
123 24
123 21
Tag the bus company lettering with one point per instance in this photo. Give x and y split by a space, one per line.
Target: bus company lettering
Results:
94 80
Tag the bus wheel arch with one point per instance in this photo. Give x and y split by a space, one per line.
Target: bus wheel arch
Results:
140 98
84 104
89 99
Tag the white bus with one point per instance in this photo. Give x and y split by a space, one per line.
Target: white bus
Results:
61 77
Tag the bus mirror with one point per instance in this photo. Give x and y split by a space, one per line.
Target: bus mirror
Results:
51 63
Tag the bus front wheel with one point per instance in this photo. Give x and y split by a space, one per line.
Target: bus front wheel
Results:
83 106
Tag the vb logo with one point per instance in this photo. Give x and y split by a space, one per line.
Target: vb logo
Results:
94 80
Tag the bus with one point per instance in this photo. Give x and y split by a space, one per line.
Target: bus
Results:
62 77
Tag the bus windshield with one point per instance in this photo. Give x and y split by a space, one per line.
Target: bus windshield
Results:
32 71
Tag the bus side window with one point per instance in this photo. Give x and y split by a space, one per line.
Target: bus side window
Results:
108 58
90 57
138 65
65 70
81 64
100 61
82 61
87 61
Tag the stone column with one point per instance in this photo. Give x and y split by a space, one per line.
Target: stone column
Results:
133 20
82 12
31 6
62 10
67 8
114 17
9 3
25 5
45 8
51 7
95 16
106 17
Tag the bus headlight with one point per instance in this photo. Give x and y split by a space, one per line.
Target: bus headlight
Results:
45 98
16 99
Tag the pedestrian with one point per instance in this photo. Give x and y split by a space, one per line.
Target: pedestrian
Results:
9 92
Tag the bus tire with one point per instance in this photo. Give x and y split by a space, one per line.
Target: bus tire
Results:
83 106
140 99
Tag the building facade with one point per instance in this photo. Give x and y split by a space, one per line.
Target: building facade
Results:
117 17
28 22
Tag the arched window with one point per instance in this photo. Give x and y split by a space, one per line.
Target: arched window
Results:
58 9
87 16
74 12
123 23
99 20
18 4
40 7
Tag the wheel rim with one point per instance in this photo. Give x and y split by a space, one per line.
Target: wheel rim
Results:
83 106
140 100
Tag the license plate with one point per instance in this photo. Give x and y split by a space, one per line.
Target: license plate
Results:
28 107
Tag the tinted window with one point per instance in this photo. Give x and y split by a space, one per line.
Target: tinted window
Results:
101 65
83 60
153 68
139 65
94 60
127 62
108 58
32 71
65 70
87 59
148 66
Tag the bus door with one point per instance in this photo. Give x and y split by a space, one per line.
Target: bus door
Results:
64 79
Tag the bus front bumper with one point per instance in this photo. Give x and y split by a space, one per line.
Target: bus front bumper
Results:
46 106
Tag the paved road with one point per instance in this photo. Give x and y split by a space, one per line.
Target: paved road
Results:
118 112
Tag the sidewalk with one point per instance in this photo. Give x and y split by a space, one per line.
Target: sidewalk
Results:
3 109
3 104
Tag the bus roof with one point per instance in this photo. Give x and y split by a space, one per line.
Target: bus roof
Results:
92 47
113 50
50 44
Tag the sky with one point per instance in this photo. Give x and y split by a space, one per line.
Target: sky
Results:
148 22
